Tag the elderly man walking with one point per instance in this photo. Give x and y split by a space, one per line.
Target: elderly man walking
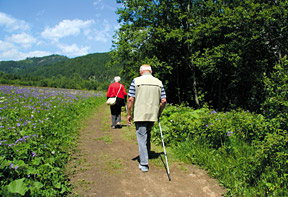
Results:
148 96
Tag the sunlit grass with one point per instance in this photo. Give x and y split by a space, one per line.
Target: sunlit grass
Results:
38 132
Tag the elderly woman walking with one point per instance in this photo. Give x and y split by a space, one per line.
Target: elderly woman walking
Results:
116 89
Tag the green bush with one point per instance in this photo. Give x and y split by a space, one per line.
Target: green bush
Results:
275 107
182 122
272 157
245 151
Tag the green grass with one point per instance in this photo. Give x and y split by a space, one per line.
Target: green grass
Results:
106 138
235 171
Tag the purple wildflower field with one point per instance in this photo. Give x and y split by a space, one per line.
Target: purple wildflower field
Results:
38 129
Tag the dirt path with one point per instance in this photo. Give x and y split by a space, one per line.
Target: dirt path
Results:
106 165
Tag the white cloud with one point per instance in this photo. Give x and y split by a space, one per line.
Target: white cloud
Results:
12 24
102 34
14 54
5 46
74 37
73 50
67 28
10 54
77 27
98 4
36 54
23 39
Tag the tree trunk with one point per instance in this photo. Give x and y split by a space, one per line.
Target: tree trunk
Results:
178 86
191 62
192 67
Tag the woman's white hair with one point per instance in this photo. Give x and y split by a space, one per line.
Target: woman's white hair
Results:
117 79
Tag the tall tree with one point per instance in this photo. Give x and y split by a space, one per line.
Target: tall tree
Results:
204 50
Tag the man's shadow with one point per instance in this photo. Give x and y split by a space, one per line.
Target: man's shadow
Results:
151 155
154 155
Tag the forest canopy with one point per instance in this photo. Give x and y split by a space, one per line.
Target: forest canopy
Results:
213 52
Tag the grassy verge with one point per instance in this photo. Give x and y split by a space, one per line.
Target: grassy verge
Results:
244 151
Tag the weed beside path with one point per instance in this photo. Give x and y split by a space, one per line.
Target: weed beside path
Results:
105 164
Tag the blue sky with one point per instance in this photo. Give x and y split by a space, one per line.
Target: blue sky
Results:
36 28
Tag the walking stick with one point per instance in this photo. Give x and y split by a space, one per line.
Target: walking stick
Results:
164 151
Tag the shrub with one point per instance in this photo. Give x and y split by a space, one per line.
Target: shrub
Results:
275 107
245 151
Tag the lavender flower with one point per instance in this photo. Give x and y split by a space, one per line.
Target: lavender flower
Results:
229 133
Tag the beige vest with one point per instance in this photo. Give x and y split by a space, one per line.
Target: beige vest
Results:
147 98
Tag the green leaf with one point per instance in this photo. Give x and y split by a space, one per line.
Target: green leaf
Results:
38 185
31 170
17 187
57 185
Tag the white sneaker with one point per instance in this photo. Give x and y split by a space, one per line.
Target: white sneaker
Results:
143 168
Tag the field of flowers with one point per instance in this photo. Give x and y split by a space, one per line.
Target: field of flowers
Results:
38 130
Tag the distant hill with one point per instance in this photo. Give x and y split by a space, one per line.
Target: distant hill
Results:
24 66
88 67
85 72
92 66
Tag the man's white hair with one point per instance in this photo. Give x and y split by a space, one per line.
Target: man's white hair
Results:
145 67
117 79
